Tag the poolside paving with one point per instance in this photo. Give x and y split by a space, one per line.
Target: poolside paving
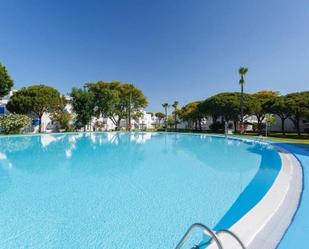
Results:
297 234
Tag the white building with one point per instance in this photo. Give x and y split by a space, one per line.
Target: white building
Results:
145 121
4 101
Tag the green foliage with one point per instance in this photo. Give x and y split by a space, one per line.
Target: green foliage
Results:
165 106
270 119
160 115
192 114
170 121
115 99
278 105
63 120
298 107
175 112
258 127
36 100
216 126
6 82
13 123
259 106
242 72
175 104
226 105
83 106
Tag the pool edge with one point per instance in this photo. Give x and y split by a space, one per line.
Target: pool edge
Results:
265 224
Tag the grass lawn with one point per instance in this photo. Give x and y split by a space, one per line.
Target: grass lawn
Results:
288 138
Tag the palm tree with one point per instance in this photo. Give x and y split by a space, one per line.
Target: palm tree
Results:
165 106
242 72
175 105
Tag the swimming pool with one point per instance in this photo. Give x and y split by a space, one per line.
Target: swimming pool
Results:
126 190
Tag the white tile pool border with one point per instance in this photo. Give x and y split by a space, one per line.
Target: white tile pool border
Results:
265 224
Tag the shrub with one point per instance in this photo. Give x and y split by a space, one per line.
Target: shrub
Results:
13 123
63 120
306 130
216 126
258 127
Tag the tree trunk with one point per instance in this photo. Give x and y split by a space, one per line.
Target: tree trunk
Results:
242 110
297 127
165 119
200 124
235 126
282 126
259 125
118 124
295 121
40 123
175 120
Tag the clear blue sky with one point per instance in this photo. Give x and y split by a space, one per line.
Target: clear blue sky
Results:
173 50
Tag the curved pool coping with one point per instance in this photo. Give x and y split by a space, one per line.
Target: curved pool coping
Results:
265 224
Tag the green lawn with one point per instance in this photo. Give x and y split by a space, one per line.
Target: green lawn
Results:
288 138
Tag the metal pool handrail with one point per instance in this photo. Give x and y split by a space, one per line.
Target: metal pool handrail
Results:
233 235
205 229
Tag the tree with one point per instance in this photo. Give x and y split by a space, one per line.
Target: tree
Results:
117 100
192 114
63 119
175 105
165 106
270 120
259 106
83 106
6 82
226 105
242 72
208 108
160 116
298 106
13 123
170 121
278 105
37 100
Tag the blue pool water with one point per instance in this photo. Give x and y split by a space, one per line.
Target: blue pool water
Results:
297 234
125 190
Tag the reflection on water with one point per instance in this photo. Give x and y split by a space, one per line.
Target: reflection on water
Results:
83 190
24 151
12 144
47 139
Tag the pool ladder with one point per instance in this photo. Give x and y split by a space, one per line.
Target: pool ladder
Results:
213 234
